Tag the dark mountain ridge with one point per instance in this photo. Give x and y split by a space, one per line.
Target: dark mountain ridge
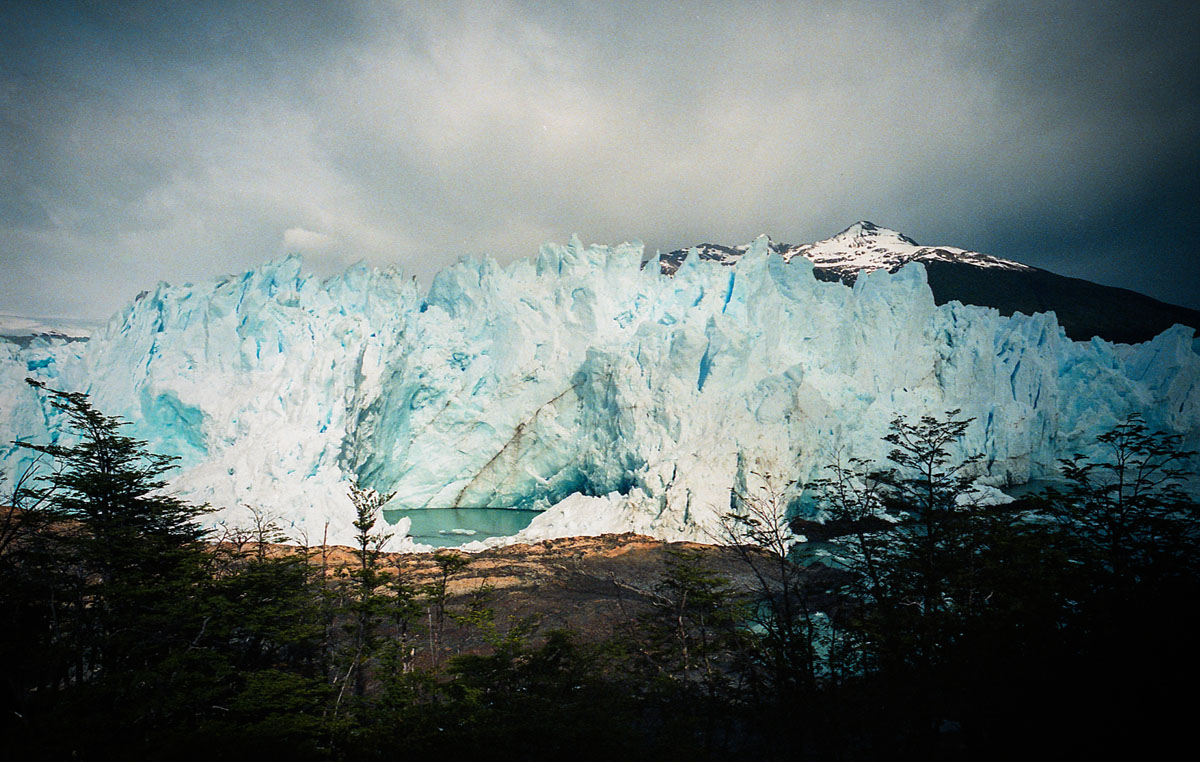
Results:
1084 309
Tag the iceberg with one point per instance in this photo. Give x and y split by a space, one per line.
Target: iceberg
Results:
579 383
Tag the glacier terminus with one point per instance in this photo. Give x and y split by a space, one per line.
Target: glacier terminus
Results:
582 383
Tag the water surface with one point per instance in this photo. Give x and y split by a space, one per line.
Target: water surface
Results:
450 527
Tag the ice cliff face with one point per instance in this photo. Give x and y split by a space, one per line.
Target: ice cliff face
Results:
613 397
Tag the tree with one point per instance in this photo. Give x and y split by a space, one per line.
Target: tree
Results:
697 619
31 646
914 569
437 594
685 647
259 666
910 539
1133 532
120 573
111 483
937 542
133 542
1052 617
787 641
1128 506
367 606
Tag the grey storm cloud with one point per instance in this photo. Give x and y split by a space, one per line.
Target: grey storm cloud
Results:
173 141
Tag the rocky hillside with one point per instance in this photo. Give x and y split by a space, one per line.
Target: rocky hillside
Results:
1084 309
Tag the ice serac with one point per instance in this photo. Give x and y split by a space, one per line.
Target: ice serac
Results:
609 396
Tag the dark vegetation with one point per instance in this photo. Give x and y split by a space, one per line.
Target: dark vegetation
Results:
1055 626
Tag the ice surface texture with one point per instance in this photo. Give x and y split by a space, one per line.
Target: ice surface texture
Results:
613 397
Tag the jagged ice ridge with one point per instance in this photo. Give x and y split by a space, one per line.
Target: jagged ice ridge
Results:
611 396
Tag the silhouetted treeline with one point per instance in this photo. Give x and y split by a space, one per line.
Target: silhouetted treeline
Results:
924 624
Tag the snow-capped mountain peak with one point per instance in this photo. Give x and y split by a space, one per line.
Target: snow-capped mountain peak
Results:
867 246
864 246
864 229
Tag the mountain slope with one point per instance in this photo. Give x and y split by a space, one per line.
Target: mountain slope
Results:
1084 309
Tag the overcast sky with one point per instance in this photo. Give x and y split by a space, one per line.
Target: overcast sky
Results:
179 141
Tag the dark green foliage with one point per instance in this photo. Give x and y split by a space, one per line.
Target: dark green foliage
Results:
436 594
952 630
1128 508
368 607
987 629
117 567
1132 532
138 637
556 700
691 632
685 651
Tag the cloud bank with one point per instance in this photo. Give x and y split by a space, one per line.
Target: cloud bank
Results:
141 142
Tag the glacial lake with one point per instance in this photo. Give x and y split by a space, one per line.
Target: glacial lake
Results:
450 527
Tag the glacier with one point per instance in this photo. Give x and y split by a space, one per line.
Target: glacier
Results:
579 383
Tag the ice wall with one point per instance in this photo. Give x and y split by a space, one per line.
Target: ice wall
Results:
578 382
